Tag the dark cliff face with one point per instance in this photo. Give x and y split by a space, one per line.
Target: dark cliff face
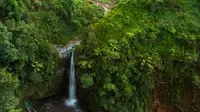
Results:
64 53
162 100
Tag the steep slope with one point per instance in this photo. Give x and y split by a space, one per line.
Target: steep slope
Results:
137 43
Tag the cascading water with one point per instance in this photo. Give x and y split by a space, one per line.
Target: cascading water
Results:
72 84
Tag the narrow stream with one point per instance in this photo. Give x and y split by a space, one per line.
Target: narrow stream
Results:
71 101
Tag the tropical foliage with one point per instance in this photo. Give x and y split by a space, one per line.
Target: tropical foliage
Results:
138 43
28 31
139 46
8 86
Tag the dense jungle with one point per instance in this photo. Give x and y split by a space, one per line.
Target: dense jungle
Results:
134 55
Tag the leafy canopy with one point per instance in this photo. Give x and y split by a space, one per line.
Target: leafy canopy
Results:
137 41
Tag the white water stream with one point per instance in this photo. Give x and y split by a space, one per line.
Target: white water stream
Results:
72 84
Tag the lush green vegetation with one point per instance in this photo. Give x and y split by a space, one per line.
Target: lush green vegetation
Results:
138 46
28 31
8 87
138 43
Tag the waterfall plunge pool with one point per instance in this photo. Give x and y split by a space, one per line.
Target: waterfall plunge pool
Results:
63 103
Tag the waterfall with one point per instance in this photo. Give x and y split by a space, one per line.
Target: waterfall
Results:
71 101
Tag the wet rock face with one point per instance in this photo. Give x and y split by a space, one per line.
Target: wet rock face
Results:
64 54
65 51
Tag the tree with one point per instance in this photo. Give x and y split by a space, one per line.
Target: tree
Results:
8 86
8 52
134 43
12 9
